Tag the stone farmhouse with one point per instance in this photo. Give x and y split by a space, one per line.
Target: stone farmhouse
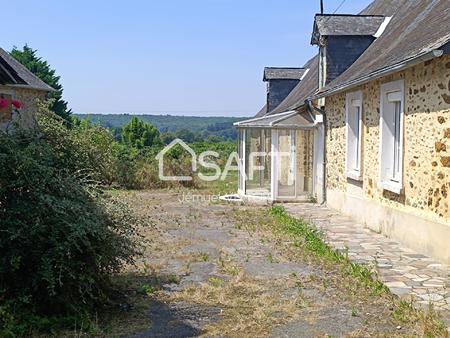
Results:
366 129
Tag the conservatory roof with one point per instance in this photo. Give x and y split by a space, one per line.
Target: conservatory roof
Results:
288 120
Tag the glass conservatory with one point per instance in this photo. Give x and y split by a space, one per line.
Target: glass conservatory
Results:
276 157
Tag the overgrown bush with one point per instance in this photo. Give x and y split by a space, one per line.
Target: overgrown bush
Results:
139 168
61 237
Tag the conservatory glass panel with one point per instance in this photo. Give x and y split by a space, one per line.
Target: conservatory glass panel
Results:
241 145
258 162
304 149
286 163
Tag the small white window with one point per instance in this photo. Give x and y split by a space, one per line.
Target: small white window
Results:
391 132
354 134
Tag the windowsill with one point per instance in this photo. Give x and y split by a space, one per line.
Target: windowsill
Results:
356 176
390 186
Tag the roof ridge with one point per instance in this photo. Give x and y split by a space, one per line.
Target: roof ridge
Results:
353 15
284 67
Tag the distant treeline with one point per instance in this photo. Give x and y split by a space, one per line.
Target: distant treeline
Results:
191 128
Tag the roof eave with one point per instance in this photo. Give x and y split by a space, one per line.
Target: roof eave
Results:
25 86
423 57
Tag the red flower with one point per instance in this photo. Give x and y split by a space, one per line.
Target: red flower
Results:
16 104
3 103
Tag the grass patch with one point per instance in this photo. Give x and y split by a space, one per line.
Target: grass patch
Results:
249 309
360 281
312 240
309 238
429 321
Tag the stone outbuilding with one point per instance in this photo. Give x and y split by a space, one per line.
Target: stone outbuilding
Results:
18 87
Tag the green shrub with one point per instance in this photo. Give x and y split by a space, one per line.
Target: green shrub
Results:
87 151
61 237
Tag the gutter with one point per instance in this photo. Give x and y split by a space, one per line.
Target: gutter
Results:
24 86
237 124
423 57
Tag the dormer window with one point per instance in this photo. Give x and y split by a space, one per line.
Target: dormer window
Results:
280 82
342 39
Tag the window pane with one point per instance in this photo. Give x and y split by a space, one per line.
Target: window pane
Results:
397 150
241 145
257 162
353 138
304 152
286 163
357 140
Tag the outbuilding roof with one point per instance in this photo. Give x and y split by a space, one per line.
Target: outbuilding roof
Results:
13 73
345 24
275 73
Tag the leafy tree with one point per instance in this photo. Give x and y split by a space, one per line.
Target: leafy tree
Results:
29 58
140 134
168 137
186 135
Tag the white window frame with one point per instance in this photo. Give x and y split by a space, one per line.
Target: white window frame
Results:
354 100
389 178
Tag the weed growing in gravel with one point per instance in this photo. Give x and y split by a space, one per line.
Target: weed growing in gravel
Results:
228 266
173 279
148 289
204 257
215 281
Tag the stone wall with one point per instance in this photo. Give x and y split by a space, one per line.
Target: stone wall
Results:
426 172
28 98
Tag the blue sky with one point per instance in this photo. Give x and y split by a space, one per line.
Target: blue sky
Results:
197 57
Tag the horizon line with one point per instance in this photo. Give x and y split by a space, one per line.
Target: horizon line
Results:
169 113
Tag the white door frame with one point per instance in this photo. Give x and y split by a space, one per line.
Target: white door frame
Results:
242 173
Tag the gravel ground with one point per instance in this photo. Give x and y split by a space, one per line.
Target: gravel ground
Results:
203 275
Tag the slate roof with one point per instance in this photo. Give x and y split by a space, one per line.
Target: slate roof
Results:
383 7
262 112
274 73
338 24
418 27
13 72
307 87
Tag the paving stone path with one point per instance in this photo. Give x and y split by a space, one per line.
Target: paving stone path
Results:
406 273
